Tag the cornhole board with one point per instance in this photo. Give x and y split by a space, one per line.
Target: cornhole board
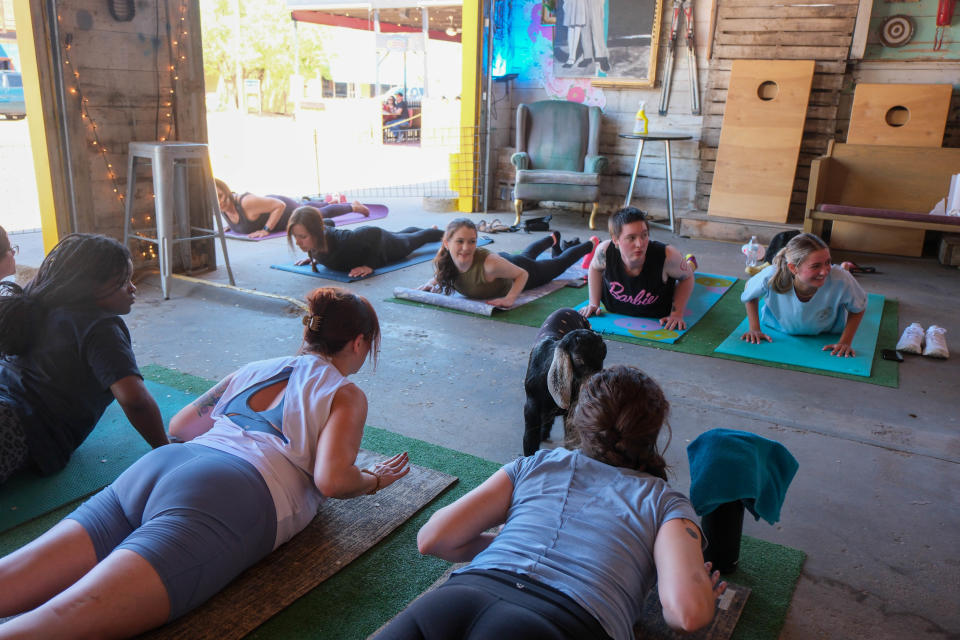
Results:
900 115
760 139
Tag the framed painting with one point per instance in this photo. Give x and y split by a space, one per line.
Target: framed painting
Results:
548 14
613 42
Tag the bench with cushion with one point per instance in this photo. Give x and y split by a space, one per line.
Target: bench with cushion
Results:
889 188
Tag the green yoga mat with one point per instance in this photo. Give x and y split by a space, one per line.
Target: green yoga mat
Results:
707 334
807 351
376 586
112 447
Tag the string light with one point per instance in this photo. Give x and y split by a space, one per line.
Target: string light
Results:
148 250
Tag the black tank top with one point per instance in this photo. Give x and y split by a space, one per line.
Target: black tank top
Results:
644 296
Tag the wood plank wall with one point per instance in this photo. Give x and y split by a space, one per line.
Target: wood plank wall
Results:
766 30
140 80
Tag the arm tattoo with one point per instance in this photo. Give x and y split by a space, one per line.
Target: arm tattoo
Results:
205 403
599 261
693 534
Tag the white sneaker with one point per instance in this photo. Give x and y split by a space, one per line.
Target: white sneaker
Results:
936 342
912 339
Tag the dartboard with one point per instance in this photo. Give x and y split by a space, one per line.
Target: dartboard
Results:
896 31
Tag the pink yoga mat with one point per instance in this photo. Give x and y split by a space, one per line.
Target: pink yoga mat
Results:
377 211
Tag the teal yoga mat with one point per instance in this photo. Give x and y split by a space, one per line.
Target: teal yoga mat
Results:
807 351
707 291
112 447
423 254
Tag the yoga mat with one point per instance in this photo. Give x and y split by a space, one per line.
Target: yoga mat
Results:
707 334
807 351
361 597
377 211
707 291
572 277
342 531
423 254
112 446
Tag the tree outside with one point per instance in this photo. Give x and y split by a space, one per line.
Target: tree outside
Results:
268 43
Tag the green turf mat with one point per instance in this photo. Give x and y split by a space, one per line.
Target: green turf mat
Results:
706 335
369 591
110 448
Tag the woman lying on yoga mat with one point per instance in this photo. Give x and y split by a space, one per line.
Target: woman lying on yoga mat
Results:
259 216
805 295
588 532
8 253
66 355
266 445
635 276
497 278
356 251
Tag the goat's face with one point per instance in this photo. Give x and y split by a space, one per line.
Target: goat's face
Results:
587 351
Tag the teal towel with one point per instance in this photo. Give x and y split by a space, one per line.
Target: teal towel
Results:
728 465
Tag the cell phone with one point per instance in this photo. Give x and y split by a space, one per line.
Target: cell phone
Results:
891 354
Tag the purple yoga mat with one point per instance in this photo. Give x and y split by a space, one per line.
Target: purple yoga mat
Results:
377 211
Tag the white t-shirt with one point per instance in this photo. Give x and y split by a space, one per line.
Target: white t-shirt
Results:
825 312
289 467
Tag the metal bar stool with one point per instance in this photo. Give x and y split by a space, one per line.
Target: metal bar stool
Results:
169 162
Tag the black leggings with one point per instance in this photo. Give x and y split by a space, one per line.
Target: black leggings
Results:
397 245
543 271
485 604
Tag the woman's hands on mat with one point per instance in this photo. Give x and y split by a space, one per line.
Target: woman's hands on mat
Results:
755 336
506 301
391 469
360 272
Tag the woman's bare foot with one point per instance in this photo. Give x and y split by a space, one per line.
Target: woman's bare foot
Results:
360 208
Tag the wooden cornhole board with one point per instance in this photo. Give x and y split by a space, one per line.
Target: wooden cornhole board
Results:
760 139
902 115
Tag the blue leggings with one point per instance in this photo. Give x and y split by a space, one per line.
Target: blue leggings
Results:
198 515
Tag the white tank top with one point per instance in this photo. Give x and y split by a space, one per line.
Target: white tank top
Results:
288 467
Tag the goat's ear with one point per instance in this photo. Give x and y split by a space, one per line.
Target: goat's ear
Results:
560 377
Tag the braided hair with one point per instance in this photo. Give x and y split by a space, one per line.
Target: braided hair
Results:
337 317
445 271
74 274
618 418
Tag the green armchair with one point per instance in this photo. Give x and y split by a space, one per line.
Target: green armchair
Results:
556 158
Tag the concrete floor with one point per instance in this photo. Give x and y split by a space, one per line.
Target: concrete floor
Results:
874 505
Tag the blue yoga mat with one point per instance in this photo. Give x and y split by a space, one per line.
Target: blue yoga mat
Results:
707 291
112 447
423 254
807 351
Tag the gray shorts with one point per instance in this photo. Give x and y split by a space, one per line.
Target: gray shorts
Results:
198 515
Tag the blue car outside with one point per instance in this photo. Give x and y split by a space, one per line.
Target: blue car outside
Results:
12 106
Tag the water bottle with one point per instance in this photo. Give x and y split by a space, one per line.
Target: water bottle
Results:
752 251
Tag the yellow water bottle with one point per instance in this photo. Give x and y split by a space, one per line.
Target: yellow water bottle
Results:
641 123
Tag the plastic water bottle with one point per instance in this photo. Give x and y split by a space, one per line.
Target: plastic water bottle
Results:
641 124
753 251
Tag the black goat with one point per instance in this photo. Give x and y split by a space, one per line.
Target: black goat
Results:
567 352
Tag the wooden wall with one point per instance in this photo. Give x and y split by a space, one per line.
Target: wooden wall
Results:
123 81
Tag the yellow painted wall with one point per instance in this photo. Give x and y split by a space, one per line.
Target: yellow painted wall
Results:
462 166
35 121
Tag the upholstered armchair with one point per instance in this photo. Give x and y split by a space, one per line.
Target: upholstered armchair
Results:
556 158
